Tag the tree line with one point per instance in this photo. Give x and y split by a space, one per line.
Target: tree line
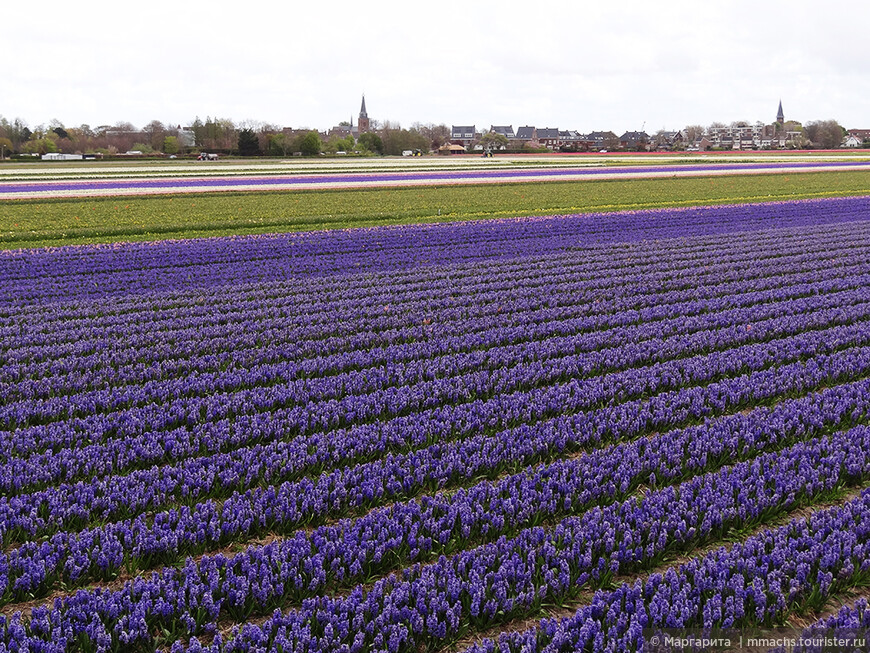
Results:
220 135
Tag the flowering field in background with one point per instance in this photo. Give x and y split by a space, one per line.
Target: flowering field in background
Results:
52 222
162 184
429 437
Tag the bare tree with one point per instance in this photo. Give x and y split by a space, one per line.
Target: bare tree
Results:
660 138
437 134
692 133
155 132
216 134
611 141
826 134
119 137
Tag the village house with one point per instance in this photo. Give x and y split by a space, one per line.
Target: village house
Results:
526 136
601 140
463 135
666 140
548 137
634 140
505 130
862 135
574 141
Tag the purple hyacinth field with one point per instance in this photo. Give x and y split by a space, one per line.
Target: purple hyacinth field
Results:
534 434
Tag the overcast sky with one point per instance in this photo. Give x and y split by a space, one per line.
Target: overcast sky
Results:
606 65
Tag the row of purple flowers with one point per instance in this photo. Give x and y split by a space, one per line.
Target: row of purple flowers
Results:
497 371
28 276
756 582
83 351
435 604
85 430
458 304
103 551
43 511
288 426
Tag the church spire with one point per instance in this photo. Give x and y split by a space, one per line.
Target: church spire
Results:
780 118
363 121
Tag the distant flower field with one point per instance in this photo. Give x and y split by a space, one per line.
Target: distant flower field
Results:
54 221
544 433
167 182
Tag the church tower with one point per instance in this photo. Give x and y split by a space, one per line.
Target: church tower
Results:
780 118
363 122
